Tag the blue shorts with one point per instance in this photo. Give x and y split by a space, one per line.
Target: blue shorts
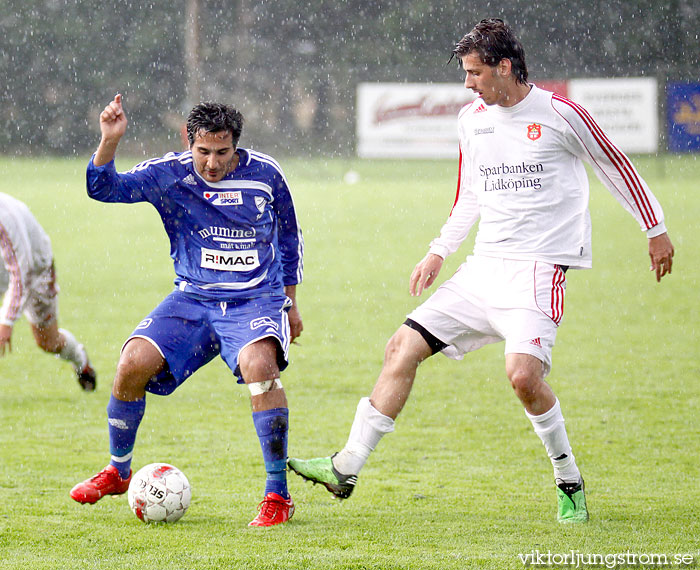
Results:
189 332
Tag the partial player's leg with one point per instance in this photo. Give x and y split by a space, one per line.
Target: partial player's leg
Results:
530 328
255 338
169 345
375 415
63 344
258 367
525 373
41 311
404 352
140 361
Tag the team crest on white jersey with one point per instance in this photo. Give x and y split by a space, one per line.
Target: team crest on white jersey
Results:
227 198
246 260
534 131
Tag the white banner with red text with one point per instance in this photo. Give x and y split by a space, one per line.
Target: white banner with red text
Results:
419 120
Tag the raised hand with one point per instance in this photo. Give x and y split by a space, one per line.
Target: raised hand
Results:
113 120
112 126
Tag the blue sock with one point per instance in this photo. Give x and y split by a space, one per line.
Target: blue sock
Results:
124 419
271 427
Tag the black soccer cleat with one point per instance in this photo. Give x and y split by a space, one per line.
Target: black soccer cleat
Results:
87 378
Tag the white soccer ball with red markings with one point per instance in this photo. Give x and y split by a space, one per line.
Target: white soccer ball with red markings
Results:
159 492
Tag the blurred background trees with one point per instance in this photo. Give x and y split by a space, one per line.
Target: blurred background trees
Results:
290 66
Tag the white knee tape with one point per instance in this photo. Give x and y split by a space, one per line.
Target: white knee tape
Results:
257 388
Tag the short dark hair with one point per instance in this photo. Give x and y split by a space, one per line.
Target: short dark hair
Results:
493 40
213 118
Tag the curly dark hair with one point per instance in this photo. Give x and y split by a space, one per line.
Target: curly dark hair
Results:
493 40
211 117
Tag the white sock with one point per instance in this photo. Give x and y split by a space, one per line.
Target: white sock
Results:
367 429
550 427
73 351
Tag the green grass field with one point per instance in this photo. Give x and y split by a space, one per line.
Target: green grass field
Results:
462 483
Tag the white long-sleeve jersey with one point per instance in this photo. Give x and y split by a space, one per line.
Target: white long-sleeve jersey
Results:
521 172
26 252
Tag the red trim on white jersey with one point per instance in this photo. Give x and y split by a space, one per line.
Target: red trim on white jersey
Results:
618 160
459 180
465 109
13 301
459 172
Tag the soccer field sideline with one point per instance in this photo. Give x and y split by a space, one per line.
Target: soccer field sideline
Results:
462 483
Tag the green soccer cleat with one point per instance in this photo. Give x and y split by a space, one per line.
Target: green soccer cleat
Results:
321 470
572 502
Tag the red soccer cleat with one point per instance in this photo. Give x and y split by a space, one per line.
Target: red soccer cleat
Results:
273 510
106 482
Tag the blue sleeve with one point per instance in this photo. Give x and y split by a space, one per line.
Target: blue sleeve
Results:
290 240
105 184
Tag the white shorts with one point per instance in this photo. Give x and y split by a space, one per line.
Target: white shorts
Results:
489 300
41 306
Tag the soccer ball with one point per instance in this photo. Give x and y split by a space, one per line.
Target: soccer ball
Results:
159 492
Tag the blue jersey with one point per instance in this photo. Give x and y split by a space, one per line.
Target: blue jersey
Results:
236 238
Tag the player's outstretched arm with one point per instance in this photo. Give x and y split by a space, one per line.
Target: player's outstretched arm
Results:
661 254
112 126
425 273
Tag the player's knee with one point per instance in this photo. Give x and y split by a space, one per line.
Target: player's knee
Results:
131 378
258 370
52 346
258 362
399 354
48 338
138 363
129 370
393 350
523 381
